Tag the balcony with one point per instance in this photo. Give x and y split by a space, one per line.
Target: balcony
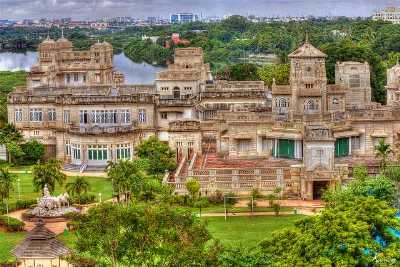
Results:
95 129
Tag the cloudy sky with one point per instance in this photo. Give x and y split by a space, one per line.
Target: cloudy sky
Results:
83 9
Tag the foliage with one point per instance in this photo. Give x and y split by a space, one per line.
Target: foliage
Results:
146 51
133 235
216 198
158 154
382 152
243 257
340 236
360 172
49 174
78 187
279 72
231 198
127 178
33 151
11 137
255 193
6 183
378 187
11 224
349 51
239 72
85 198
193 187
8 80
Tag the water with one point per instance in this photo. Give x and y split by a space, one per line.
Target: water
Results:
135 73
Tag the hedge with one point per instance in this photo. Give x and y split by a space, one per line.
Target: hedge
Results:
11 224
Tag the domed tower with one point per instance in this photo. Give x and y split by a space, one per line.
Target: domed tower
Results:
47 51
102 59
308 80
64 44
393 85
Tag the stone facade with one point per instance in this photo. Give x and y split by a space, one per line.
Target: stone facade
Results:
231 135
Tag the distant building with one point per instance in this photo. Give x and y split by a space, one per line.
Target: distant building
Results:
183 18
391 14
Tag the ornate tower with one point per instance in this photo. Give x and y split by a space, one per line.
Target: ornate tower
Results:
308 80
393 85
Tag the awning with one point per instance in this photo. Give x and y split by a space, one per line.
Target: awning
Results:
284 135
378 134
346 134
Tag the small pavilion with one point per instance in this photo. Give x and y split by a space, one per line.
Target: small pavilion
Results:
41 249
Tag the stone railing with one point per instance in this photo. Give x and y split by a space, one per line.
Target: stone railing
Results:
184 126
101 129
239 180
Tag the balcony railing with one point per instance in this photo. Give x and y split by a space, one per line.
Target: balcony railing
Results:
102 129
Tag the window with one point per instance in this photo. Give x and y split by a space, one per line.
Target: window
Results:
125 116
142 116
309 86
244 145
67 148
310 105
83 116
36 133
164 115
335 100
164 88
76 77
187 88
51 114
18 114
191 144
179 144
76 151
282 102
84 78
123 151
97 152
355 142
355 81
68 78
66 116
35 114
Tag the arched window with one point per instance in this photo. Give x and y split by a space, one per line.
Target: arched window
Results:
282 102
335 100
310 105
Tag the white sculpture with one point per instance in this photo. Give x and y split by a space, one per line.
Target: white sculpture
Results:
49 206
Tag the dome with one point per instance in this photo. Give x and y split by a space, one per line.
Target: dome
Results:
48 43
64 43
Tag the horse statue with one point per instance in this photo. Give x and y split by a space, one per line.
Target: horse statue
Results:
64 200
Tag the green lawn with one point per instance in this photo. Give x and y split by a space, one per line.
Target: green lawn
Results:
221 209
97 185
7 242
247 231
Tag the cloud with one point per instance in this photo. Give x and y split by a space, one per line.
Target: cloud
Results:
82 9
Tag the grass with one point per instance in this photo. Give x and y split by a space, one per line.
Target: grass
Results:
247 231
221 209
7 242
97 185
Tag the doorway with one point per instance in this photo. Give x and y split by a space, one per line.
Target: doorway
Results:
319 188
177 93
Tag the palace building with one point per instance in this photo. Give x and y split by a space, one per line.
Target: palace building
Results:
232 136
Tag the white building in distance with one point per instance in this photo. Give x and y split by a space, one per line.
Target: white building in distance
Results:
391 14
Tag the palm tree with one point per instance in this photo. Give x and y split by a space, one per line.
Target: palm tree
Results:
78 187
382 152
48 173
6 183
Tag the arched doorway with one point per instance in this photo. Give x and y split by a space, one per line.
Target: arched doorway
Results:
177 93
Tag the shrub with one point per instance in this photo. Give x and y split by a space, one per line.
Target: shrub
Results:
230 198
216 198
255 193
84 199
25 204
11 224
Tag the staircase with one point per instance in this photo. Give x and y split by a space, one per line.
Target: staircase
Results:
71 167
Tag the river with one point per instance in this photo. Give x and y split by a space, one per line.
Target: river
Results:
135 73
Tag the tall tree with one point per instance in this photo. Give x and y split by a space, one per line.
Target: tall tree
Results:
137 235
48 173
78 187
6 183
382 152
12 138
128 177
159 155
